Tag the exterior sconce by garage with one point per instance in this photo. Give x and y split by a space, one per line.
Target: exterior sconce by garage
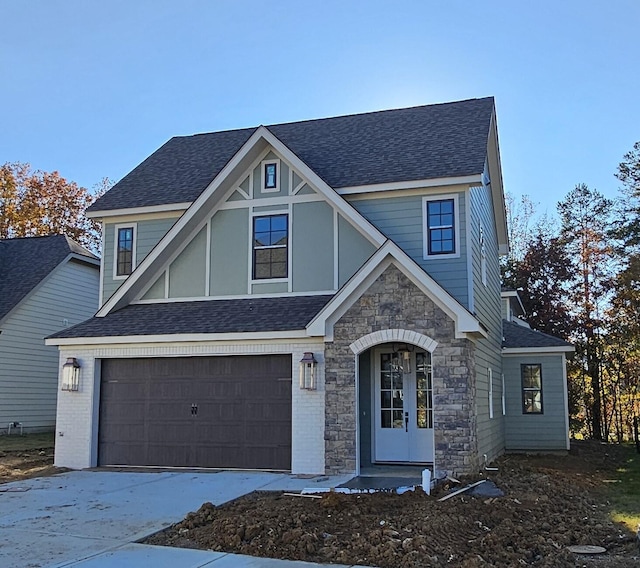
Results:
71 375
308 367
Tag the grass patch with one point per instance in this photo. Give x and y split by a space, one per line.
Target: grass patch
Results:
16 443
625 496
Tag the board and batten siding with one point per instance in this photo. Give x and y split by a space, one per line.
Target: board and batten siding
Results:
401 219
148 234
28 367
487 308
313 252
536 432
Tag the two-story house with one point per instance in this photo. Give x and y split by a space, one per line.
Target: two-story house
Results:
313 297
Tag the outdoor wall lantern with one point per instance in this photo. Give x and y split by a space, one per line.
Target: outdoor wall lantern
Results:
308 366
71 375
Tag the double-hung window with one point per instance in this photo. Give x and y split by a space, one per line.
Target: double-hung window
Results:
125 253
270 246
531 389
441 230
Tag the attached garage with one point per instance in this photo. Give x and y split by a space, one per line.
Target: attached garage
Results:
218 412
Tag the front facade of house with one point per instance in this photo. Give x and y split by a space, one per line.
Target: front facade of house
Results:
367 245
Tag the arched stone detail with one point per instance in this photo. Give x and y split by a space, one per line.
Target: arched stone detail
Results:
393 336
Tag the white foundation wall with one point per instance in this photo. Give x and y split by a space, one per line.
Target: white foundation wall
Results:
78 412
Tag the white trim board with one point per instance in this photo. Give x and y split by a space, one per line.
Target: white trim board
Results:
414 184
177 208
180 338
516 351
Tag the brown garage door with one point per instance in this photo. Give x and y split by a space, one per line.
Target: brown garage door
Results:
227 412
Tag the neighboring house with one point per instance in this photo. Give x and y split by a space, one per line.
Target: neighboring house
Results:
46 284
317 296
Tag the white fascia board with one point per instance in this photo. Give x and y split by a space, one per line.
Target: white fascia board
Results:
168 207
497 186
185 222
180 338
413 184
515 351
390 253
345 209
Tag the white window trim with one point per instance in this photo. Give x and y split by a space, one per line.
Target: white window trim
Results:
253 280
116 228
490 377
425 227
263 165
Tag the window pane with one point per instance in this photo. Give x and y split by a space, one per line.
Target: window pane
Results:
262 224
385 399
263 271
385 416
278 270
279 223
397 399
398 421
385 380
278 238
422 419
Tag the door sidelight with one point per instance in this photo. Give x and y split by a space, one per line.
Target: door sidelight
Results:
406 421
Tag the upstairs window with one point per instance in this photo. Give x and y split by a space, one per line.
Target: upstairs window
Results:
270 176
270 246
440 219
125 256
531 389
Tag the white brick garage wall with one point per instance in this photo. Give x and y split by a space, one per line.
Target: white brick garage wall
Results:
78 412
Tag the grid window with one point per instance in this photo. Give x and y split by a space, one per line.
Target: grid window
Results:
270 247
441 227
124 261
531 389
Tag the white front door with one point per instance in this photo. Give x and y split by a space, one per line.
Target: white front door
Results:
403 424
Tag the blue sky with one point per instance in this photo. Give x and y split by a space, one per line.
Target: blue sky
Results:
92 88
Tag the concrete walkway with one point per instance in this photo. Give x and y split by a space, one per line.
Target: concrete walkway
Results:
91 519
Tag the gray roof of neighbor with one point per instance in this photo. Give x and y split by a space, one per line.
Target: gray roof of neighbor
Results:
515 335
212 316
25 262
423 142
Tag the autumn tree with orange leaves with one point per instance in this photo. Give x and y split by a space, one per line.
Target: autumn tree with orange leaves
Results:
37 203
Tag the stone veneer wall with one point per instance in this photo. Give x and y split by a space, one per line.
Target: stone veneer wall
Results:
394 302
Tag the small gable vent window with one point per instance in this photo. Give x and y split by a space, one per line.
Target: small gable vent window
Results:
125 254
531 389
270 246
270 176
440 219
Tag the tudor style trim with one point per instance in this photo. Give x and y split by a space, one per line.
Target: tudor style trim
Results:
215 194
466 325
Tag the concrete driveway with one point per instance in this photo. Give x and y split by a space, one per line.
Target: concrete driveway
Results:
93 518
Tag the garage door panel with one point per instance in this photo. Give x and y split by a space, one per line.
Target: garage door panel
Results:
243 417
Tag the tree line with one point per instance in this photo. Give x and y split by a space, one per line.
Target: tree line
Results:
579 279
36 203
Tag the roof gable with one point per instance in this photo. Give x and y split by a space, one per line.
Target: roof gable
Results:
26 262
215 196
417 143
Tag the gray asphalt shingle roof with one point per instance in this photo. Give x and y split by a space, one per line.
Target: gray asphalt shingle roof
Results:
424 142
515 335
25 262
212 316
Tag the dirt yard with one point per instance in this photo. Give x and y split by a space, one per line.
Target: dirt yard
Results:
550 502
22 457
